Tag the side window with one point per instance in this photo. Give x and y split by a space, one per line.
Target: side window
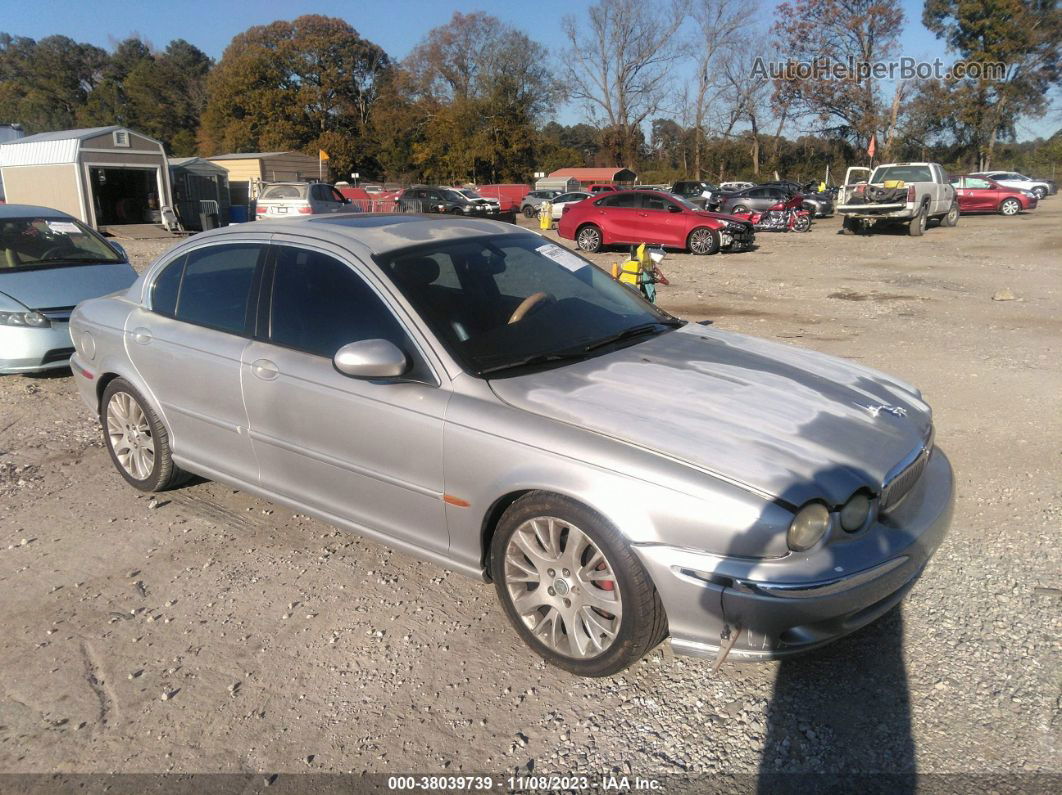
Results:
650 202
973 182
167 284
620 200
758 193
216 288
320 304
336 196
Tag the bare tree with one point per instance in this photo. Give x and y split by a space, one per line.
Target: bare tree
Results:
715 29
618 63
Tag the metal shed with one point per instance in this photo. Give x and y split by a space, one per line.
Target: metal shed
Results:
588 176
106 176
248 170
200 189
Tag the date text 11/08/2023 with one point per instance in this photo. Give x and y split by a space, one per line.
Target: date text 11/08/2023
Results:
529 783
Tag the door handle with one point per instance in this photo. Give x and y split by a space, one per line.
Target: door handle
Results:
644 215
264 369
142 335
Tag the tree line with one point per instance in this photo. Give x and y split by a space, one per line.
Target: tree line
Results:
475 99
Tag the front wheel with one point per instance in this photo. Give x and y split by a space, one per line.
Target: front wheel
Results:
572 587
529 211
589 239
136 439
1010 207
952 216
703 241
1039 192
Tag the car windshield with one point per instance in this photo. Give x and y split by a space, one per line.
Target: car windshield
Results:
470 194
503 302
47 242
456 196
905 173
683 201
285 192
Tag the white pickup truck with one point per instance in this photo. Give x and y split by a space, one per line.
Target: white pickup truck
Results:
907 193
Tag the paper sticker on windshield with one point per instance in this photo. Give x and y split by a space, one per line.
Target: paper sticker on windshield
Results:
65 227
561 256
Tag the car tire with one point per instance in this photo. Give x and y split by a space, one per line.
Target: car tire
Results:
138 442
588 238
579 628
951 217
916 227
703 241
849 225
1009 207
1039 192
740 208
529 211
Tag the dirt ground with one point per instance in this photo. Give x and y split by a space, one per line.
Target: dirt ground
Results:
207 630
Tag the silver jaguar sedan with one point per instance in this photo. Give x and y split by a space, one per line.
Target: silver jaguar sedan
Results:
474 394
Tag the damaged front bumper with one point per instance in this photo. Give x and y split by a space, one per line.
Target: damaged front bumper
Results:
793 604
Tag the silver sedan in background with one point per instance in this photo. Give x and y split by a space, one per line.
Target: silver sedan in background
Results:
49 261
473 393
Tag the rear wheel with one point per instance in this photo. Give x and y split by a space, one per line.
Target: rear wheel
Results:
572 587
917 225
741 208
529 211
588 239
703 240
136 439
849 225
1010 207
802 223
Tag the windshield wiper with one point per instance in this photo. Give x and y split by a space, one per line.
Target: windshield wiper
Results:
634 331
538 358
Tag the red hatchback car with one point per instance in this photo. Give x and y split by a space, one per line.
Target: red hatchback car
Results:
984 195
641 216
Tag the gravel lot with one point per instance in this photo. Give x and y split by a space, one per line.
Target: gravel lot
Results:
207 630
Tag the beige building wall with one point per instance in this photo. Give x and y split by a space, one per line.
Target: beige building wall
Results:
54 186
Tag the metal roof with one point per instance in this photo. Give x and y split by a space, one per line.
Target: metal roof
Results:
68 135
251 155
585 174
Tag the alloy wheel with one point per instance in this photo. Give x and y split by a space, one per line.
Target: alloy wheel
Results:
701 241
129 433
563 587
1010 207
589 239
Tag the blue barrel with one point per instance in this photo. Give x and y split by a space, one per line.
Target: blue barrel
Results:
237 213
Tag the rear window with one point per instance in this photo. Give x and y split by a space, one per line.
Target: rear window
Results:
906 173
285 192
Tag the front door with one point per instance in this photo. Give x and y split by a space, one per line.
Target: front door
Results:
659 224
189 346
365 452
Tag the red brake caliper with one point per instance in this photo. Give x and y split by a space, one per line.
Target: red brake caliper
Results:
604 585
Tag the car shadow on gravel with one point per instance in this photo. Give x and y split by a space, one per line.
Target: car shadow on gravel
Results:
842 715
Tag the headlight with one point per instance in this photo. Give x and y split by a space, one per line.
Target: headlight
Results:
808 527
855 512
24 319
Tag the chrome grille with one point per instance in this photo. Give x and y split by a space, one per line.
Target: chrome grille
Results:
899 486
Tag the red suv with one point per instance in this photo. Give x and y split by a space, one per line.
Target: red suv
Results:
642 216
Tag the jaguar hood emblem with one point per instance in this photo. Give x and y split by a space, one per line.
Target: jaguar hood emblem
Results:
896 411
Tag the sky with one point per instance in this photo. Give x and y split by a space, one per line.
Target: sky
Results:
396 25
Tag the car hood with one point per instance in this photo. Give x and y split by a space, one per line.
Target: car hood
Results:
44 288
784 421
723 216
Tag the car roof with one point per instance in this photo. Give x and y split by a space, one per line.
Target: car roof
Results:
23 210
378 232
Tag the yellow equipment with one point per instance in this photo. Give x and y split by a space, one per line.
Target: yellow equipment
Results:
893 183
545 215
640 272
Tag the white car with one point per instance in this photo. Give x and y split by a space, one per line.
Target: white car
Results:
565 199
1012 179
292 199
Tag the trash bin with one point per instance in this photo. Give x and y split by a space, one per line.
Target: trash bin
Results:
208 221
238 213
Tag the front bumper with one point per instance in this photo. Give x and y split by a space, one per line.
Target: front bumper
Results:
31 350
793 604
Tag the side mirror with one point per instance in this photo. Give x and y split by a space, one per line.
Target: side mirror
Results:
371 359
118 248
346 200
674 208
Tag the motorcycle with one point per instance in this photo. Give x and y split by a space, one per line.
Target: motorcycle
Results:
785 216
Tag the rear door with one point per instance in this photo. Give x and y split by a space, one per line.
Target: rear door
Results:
366 452
188 346
619 214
